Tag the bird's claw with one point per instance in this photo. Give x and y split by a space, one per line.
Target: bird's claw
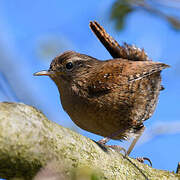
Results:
142 159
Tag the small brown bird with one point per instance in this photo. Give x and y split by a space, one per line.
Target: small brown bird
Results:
110 98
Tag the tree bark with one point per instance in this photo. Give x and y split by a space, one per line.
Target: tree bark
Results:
29 141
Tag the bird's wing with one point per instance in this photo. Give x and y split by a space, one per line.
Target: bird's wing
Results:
141 69
119 72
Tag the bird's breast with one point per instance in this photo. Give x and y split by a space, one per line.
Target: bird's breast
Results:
121 109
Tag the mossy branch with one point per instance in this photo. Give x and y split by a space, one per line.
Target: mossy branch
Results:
29 141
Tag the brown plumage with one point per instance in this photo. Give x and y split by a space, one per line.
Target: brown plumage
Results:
105 97
126 52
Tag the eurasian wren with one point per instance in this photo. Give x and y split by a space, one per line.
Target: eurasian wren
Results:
106 97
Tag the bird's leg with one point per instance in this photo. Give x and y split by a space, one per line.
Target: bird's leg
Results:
107 139
135 140
119 148
115 147
140 159
104 140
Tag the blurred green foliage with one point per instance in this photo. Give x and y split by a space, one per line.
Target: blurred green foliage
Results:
122 8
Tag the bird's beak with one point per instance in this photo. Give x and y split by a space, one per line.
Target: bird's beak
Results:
44 73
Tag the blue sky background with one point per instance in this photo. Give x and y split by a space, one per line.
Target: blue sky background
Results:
34 32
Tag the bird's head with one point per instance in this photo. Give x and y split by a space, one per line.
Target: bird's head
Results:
68 67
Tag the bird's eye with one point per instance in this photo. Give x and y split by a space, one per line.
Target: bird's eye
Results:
69 65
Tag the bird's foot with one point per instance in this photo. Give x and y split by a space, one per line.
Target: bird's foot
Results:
114 147
142 159
104 141
119 148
